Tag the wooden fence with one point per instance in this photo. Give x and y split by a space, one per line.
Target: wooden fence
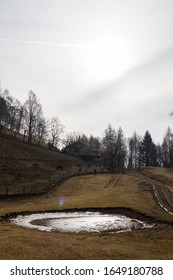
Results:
43 186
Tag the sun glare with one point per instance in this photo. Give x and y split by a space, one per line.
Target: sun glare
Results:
110 59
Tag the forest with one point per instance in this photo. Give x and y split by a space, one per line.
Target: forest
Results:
27 123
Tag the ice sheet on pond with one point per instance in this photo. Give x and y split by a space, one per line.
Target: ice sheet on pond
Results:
80 222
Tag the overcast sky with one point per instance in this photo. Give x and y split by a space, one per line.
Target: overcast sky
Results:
92 62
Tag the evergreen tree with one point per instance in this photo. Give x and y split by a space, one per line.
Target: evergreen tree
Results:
148 151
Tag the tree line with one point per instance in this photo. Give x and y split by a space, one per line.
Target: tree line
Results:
116 151
119 152
28 120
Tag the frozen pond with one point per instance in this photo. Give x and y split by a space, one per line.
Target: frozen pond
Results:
80 222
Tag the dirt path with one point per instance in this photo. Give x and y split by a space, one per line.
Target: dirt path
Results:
162 194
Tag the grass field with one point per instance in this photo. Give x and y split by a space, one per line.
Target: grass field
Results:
91 191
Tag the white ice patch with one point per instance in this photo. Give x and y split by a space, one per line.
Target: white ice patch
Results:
79 222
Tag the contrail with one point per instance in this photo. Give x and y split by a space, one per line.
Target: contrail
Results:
43 43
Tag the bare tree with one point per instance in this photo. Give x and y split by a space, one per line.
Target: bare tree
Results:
121 150
133 149
167 148
4 104
71 138
41 132
94 143
109 147
114 149
11 113
16 116
33 115
56 128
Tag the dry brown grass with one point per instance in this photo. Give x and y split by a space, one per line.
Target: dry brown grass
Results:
104 190
30 166
20 243
108 190
165 175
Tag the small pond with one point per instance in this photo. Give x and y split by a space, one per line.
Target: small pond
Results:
87 221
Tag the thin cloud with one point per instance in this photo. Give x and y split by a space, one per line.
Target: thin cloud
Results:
149 69
43 43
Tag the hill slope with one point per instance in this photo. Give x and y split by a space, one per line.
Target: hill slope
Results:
27 165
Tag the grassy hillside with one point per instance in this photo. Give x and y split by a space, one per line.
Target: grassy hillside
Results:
94 191
132 194
164 175
30 166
